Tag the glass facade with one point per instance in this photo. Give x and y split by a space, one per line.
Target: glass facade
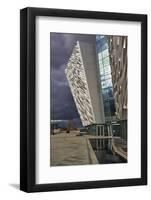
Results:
105 77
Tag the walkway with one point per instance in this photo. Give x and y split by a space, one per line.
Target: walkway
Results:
69 149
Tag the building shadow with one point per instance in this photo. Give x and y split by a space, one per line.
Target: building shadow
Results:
15 185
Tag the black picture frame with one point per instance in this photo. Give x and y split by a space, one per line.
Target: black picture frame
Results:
28 98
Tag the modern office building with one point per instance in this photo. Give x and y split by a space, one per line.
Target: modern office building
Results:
118 60
82 75
118 63
112 56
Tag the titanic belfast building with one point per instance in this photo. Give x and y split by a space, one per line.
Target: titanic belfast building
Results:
97 76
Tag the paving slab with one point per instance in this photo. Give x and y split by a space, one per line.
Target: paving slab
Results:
69 149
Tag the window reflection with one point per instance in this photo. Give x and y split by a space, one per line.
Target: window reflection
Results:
106 61
105 53
105 75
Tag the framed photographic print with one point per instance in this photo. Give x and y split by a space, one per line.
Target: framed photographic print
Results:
83 99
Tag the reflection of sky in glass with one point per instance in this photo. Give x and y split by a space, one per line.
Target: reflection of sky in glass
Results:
105 75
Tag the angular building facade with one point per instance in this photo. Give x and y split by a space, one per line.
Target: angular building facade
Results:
97 76
82 75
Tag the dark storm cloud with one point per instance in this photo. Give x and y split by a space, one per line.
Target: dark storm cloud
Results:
61 46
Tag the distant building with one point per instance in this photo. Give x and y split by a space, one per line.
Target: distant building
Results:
55 124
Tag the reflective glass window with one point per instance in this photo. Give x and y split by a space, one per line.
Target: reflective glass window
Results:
105 53
105 46
105 93
112 107
106 107
106 61
103 84
108 83
100 64
100 56
101 72
106 71
110 92
105 76
108 76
